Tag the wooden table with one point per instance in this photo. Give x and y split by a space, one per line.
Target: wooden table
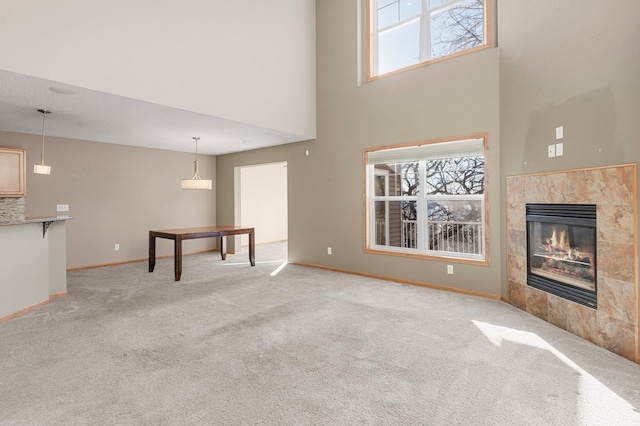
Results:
177 235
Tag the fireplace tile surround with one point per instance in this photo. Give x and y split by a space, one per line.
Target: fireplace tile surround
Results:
614 325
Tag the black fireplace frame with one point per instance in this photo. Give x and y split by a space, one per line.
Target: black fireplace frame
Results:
569 214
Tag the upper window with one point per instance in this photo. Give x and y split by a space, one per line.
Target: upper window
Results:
427 199
405 33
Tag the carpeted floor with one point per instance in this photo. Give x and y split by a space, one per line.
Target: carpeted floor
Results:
231 344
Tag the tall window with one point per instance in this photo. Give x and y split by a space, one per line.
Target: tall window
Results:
427 199
409 32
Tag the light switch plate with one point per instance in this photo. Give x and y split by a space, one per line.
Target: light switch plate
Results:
63 207
551 151
559 149
560 132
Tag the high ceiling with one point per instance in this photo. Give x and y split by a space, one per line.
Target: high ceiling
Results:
84 114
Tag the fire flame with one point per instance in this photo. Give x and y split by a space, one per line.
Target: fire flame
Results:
559 246
558 241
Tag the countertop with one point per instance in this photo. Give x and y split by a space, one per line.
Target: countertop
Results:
34 219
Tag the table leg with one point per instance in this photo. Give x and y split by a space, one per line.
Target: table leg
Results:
177 257
252 248
152 252
223 247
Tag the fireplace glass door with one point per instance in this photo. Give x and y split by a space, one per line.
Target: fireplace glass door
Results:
561 247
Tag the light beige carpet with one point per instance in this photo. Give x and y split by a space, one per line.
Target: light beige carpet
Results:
231 344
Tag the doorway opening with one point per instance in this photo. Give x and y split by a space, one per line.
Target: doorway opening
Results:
261 202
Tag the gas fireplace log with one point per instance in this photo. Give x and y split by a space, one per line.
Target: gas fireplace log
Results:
572 269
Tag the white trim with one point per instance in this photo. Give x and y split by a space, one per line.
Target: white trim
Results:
461 148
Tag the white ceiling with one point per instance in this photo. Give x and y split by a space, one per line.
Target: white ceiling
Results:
101 117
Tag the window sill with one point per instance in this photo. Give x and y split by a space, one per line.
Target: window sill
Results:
424 256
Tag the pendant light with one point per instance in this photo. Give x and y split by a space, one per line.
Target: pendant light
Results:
196 182
42 169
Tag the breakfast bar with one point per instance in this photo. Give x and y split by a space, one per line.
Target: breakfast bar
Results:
34 262
178 235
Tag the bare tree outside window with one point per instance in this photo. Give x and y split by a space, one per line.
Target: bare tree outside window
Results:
454 224
455 176
428 198
406 34
457 28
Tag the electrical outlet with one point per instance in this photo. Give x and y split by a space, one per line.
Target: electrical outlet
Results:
559 149
328 250
450 269
63 207
551 151
117 247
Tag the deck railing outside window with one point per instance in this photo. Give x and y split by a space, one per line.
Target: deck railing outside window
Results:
456 237
459 237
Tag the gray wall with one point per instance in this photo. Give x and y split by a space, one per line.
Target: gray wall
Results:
116 194
455 97
570 63
582 72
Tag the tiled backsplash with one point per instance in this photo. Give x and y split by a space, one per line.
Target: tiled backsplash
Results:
614 325
12 208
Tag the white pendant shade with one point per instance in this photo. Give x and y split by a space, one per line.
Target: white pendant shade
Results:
197 184
41 169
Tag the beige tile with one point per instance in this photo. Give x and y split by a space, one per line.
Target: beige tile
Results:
617 299
516 216
517 269
515 190
616 223
517 243
616 335
536 189
548 188
581 321
517 295
582 187
556 188
616 261
537 303
557 311
614 185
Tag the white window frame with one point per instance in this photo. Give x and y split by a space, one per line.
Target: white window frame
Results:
421 153
425 35
386 191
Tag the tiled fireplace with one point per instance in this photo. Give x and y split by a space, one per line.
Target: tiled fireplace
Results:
601 272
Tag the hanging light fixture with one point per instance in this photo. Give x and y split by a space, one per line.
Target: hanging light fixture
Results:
196 182
42 169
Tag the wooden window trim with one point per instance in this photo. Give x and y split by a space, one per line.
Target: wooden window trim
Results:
371 52
366 240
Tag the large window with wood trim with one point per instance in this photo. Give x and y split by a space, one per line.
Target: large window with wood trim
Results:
427 199
406 33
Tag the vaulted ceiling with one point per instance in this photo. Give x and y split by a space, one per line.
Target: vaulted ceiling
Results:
239 76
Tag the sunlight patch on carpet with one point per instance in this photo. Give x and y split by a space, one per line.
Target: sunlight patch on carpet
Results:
279 268
596 400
